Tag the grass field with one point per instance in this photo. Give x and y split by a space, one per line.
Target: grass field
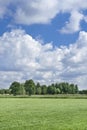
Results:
43 114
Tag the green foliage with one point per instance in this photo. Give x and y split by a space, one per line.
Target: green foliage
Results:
29 87
38 89
16 88
2 91
43 89
51 89
22 90
83 92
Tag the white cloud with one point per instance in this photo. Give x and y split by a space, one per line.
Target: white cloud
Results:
4 7
75 9
74 23
43 11
22 57
36 11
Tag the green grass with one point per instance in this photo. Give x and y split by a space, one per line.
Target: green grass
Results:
43 114
59 96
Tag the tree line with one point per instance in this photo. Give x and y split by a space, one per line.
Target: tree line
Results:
30 88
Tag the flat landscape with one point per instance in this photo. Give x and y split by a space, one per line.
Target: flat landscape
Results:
43 114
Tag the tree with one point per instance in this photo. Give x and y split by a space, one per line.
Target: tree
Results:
38 88
61 88
76 89
43 89
72 88
57 91
22 90
83 92
51 89
2 91
15 88
29 87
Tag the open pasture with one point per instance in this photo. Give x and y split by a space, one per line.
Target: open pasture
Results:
43 114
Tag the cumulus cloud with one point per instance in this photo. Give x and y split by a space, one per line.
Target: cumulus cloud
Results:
22 57
43 11
36 11
74 23
75 9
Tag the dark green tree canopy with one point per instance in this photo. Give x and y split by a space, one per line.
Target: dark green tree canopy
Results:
15 88
29 87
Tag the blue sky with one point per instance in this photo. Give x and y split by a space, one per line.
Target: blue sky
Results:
48 32
44 40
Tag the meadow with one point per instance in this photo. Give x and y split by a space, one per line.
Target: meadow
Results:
43 114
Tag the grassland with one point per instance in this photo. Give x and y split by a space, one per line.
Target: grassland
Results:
43 114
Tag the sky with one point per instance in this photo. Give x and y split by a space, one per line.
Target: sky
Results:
43 40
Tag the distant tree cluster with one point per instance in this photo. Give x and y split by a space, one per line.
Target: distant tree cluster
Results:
4 91
30 88
83 92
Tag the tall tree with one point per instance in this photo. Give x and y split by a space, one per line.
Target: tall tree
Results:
43 89
76 89
37 88
22 90
72 88
29 87
15 88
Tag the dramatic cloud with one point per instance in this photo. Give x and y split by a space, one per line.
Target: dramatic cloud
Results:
43 11
22 57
